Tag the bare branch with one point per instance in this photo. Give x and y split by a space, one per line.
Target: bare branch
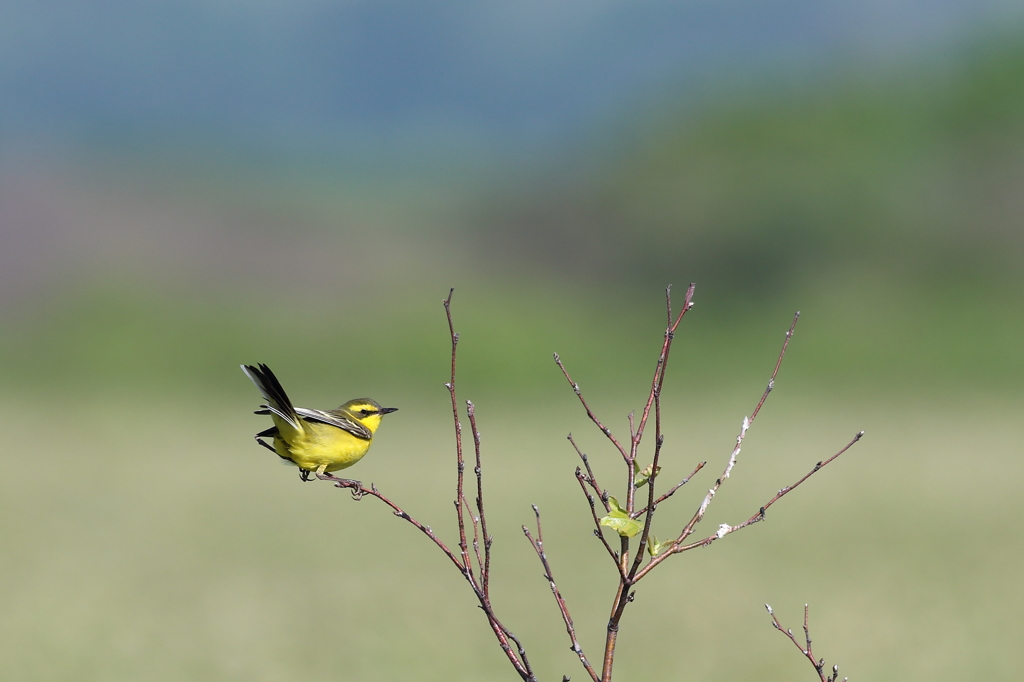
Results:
672 490
538 546
590 413
359 491
476 536
747 421
458 435
516 657
819 664
597 522
659 372
778 363
590 478
759 516
725 529
485 567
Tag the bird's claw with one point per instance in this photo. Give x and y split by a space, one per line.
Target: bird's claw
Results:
355 486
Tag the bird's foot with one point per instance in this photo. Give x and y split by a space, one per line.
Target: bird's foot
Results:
355 486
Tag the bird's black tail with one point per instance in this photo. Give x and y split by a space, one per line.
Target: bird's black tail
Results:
277 400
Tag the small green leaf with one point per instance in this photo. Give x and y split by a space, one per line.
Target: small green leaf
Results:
642 477
619 521
654 548
626 527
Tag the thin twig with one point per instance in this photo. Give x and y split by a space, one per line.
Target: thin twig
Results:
725 529
359 491
819 664
597 522
458 434
659 372
747 421
485 571
590 413
503 634
476 537
538 546
657 383
778 363
759 516
590 478
672 490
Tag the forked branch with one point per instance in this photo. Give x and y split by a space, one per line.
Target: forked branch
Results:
819 665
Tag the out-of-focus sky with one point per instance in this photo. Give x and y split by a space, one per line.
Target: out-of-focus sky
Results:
306 75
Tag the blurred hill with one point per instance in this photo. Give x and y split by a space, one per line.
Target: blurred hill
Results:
892 205
913 176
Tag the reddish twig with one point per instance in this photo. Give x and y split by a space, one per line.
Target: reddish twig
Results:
538 546
590 478
659 372
778 363
597 522
359 491
485 567
672 490
450 385
759 516
476 536
747 421
819 664
590 413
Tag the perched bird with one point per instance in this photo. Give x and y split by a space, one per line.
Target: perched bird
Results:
316 441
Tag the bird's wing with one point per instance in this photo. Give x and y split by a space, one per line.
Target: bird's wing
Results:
335 419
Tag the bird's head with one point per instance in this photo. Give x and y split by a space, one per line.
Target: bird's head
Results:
367 412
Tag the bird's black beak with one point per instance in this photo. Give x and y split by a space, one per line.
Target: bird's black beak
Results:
388 410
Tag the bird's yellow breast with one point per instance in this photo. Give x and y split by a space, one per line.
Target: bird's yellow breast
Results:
318 444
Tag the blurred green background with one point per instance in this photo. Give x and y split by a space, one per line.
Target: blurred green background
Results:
165 218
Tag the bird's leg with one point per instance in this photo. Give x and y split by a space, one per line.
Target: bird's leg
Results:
305 474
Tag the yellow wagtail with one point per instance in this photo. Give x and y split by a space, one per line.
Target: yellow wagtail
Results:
316 441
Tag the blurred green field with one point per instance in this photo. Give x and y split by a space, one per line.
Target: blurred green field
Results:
151 539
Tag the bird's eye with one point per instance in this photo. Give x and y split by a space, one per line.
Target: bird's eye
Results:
364 412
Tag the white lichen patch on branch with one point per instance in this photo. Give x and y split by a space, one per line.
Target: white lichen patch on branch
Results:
705 503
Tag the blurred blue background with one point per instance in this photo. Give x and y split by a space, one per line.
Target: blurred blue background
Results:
187 186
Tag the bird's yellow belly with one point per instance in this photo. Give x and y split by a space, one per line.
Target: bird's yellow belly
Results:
322 445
